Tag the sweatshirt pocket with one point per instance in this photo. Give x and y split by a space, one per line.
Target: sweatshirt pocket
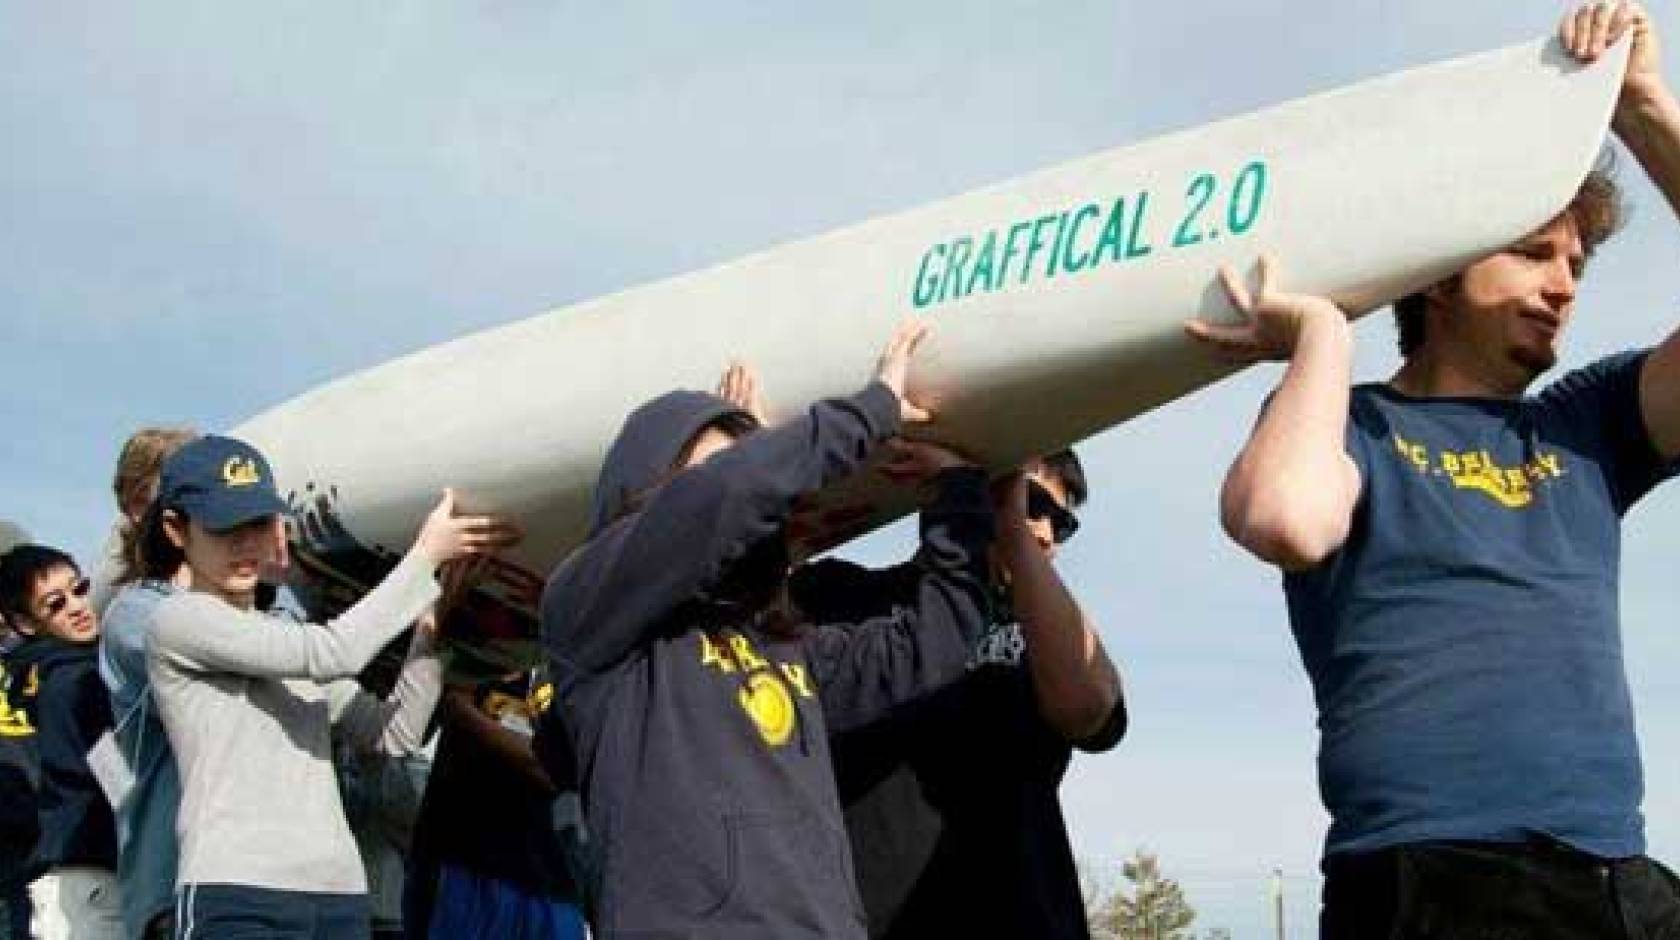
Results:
790 869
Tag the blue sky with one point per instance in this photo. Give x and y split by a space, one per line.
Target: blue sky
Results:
208 208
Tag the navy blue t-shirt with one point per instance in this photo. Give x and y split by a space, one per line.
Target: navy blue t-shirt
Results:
1464 645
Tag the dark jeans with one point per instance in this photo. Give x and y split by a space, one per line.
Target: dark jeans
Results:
1538 890
240 912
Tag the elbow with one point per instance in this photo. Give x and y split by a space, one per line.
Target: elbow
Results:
1094 726
1081 723
1291 534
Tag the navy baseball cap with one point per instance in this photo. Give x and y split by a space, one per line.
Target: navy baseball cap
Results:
221 482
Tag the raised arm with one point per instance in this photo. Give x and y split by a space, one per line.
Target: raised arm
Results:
464 714
396 724
1074 682
863 670
618 588
1289 496
199 633
1647 120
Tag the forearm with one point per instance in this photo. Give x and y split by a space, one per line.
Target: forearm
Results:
864 670
206 635
613 591
1074 682
1289 495
509 747
1647 121
397 724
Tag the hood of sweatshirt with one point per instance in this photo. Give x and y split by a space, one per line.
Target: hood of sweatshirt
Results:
653 435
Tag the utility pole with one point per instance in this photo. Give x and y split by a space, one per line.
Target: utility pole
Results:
1277 900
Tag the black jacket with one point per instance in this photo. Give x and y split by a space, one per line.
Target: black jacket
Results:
20 776
70 710
700 734
953 797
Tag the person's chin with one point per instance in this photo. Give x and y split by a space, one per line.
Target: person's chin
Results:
86 634
1536 358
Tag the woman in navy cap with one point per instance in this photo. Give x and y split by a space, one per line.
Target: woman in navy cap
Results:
251 702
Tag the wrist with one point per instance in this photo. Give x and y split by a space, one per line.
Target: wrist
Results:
1640 101
427 554
1322 324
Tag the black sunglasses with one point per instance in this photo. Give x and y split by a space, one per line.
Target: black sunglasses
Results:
58 601
1042 505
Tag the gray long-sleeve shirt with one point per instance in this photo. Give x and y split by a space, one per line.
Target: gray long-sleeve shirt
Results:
251 702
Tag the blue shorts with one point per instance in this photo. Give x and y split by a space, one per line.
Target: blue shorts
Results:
242 912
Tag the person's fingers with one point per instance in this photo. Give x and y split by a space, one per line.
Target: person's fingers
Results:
739 383
1583 31
1625 16
1219 334
1240 350
905 338
915 331
1267 291
1602 14
489 538
1235 289
1197 329
1566 31
1229 343
446 505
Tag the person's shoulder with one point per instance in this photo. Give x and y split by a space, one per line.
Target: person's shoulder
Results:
1607 372
176 616
134 603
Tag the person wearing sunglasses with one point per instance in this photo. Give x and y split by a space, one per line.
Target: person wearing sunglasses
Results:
55 673
951 803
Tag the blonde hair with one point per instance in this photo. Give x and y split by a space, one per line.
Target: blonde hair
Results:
136 479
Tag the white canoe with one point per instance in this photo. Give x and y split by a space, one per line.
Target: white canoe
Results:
1057 301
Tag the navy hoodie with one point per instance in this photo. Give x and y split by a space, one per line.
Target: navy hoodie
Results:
70 710
20 775
699 730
